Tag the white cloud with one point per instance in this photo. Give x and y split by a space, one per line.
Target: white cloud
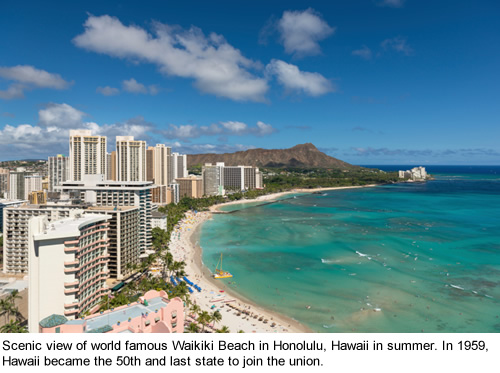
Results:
51 135
133 86
234 127
226 128
302 30
108 91
137 127
364 52
392 3
12 92
293 79
60 115
28 77
216 67
264 129
153 90
398 44
210 148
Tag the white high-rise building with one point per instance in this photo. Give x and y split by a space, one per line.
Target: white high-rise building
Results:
179 165
242 177
32 183
15 232
68 266
87 154
58 171
162 173
4 182
96 191
130 159
213 179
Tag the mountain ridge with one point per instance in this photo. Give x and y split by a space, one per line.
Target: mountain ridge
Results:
301 155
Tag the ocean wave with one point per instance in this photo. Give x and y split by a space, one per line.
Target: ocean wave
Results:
329 261
457 287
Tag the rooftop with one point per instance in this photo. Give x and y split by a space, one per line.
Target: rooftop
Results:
156 214
112 208
69 226
132 311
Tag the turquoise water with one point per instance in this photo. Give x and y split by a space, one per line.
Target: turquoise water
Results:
398 258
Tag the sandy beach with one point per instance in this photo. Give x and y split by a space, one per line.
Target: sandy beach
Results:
275 196
237 313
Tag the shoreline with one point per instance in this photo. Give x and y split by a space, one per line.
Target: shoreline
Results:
185 246
273 197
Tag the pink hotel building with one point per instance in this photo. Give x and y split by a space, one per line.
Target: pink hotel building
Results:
153 313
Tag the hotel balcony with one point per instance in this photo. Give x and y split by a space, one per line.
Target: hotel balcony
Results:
71 305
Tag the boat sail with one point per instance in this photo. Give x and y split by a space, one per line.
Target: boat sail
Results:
219 273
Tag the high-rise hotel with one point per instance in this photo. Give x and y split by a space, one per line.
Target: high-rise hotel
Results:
130 159
68 266
87 154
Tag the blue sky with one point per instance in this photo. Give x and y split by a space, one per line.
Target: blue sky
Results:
366 81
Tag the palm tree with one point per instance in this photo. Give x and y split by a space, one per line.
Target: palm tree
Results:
13 327
223 329
4 307
204 318
7 308
193 328
13 296
216 317
195 309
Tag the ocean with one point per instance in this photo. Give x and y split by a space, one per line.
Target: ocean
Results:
408 257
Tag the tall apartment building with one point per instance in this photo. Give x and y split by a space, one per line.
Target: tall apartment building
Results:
15 232
191 186
162 174
17 183
179 165
4 203
87 154
68 266
174 193
150 163
96 191
58 171
130 159
213 179
242 177
123 235
4 183
32 183
159 170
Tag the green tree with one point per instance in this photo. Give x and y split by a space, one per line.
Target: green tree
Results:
13 327
216 317
204 318
223 329
193 328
